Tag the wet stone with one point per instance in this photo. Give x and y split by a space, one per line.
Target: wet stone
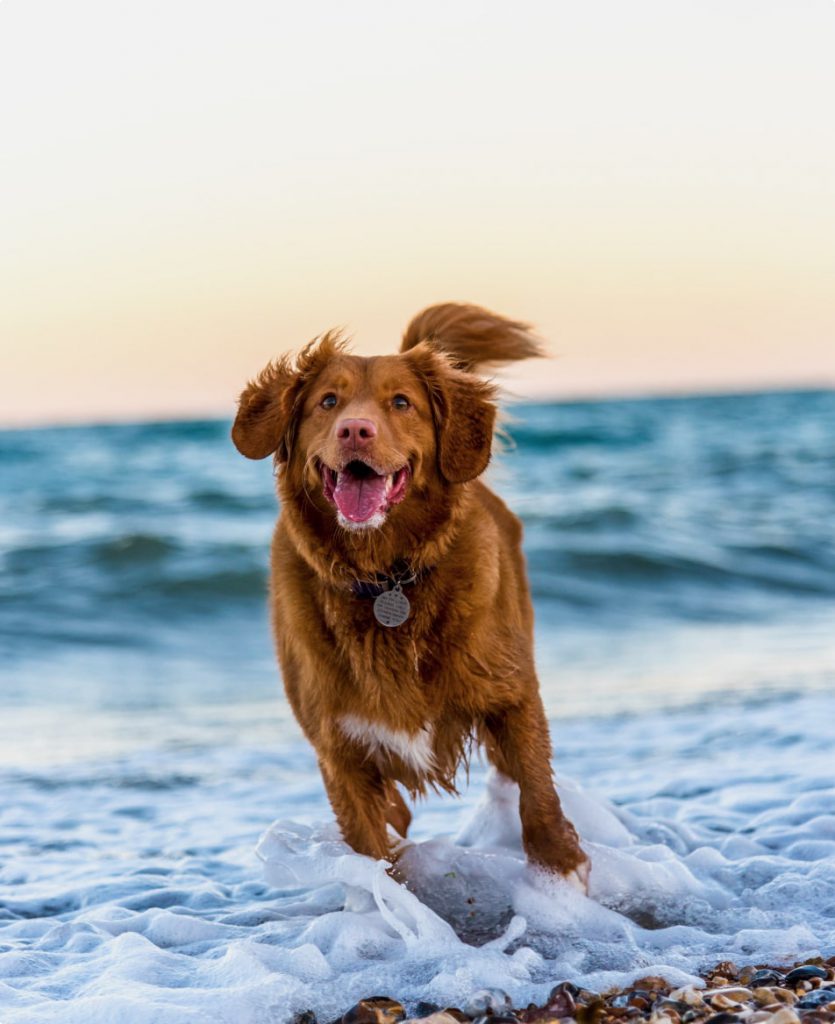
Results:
590 1013
583 995
375 1010
815 999
766 996
785 1015
441 1017
805 973
652 983
423 1009
537 1015
728 998
692 996
637 997
765 976
667 1005
561 1002
488 1000
567 986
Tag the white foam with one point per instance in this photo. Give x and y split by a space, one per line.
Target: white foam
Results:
130 890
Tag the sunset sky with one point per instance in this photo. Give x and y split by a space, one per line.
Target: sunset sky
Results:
190 188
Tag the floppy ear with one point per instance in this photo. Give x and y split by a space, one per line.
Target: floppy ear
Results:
268 405
265 412
464 409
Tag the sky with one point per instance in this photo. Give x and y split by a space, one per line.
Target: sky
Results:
190 188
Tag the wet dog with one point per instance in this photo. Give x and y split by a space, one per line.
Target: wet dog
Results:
399 598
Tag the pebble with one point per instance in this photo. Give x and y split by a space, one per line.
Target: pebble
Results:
753 995
424 1009
817 998
375 1010
784 1016
441 1017
666 1004
765 976
767 996
728 998
487 1000
692 996
805 973
561 1001
636 997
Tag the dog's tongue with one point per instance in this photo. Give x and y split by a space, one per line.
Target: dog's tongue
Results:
358 498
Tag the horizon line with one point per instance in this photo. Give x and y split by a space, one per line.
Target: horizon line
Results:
506 397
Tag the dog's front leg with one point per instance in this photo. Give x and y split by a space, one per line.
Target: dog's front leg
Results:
519 745
359 799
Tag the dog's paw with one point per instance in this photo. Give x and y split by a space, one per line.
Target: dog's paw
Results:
579 877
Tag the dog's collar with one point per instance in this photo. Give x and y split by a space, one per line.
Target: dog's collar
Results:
401 572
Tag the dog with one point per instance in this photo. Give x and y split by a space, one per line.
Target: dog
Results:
400 604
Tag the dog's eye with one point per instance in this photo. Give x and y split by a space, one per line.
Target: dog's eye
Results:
329 401
400 402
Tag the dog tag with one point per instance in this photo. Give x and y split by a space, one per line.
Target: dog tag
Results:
391 608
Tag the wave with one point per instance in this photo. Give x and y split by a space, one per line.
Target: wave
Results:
671 507
793 570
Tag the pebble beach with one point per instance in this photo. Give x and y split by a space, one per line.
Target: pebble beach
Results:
755 994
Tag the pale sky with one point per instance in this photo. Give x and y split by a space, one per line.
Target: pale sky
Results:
189 188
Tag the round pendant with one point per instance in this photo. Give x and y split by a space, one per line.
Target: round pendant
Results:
391 608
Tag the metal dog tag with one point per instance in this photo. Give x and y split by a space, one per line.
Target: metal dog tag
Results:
391 608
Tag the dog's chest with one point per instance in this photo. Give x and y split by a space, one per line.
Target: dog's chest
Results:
415 749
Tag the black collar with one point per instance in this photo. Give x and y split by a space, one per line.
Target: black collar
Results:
400 573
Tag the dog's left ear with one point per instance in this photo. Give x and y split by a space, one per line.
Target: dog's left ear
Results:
265 412
464 409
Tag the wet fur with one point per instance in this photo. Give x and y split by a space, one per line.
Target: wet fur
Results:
463 661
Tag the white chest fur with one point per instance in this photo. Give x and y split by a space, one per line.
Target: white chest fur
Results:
413 749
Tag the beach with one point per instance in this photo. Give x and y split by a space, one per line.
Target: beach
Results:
168 853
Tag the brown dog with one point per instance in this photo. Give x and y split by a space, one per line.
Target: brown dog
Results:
400 603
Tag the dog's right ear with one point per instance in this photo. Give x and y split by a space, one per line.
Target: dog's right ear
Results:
269 406
265 412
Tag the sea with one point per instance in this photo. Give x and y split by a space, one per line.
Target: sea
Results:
167 853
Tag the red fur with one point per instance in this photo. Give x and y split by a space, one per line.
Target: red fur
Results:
462 664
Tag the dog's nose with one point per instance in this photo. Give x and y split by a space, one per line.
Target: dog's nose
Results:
355 433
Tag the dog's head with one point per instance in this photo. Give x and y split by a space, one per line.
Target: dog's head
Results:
358 437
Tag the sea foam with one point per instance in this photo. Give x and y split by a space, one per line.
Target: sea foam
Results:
130 889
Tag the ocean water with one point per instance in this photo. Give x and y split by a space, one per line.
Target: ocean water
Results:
168 854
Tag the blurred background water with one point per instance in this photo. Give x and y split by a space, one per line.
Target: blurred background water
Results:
679 549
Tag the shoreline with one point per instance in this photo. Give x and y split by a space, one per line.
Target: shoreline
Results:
761 993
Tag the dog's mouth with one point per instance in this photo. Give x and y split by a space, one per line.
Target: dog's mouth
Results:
360 493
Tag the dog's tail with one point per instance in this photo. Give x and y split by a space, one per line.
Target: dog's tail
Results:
474 338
